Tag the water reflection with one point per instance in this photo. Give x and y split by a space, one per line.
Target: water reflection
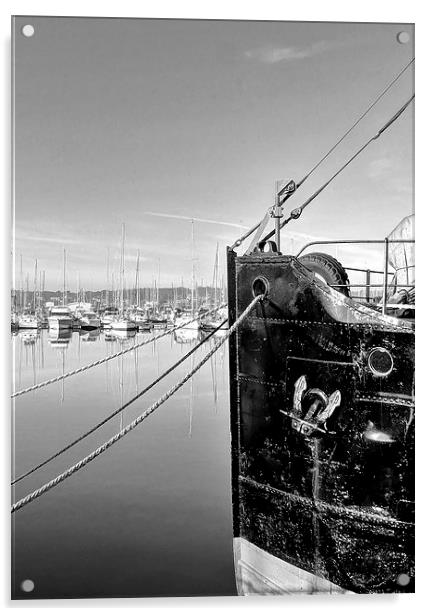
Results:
28 337
191 398
174 471
124 334
213 368
90 336
59 338
183 336
62 340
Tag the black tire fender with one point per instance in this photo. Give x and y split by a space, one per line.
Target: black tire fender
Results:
328 269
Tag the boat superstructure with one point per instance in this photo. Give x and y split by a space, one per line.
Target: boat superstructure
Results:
28 320
217 319
89 320
140 317
60 317
124 324
111 313
186 321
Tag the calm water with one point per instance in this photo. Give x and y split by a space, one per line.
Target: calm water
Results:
152 515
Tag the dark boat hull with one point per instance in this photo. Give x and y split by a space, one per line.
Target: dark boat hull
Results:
333 499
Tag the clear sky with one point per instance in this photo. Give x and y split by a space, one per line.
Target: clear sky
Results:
116 118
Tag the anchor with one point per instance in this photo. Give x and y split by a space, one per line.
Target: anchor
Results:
320 409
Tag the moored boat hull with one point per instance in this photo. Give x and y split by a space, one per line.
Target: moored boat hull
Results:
123 325
144 326
212 325
28 323
322 422
185 323
59 323
260 573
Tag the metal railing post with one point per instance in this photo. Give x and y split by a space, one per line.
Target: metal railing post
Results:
385 275
367 287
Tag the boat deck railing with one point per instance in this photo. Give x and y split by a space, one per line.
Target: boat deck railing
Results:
367 286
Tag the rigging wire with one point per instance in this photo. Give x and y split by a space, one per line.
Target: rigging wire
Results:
119 410
355 124
294 214
361 117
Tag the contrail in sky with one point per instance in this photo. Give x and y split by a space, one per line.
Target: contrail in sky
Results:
189 218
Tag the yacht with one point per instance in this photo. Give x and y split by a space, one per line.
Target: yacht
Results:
60 318
158 321
140 318
28 321
183 321
89 320
123 324
212 321
111 313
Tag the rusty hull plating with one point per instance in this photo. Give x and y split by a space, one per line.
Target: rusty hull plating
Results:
322 444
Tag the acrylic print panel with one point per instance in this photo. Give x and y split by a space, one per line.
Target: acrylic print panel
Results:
155 451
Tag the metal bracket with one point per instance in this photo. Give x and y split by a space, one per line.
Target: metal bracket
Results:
285 192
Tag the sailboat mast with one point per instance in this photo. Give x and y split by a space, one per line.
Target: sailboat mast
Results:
122 270
43 288
159 281
107 298
35 285
26 292
21 282
64 277
137 280
192 268
41 291
217 268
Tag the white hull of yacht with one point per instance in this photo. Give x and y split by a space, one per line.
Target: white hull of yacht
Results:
59 323
123 325
28 323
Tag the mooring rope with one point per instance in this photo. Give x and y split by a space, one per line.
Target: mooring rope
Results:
97 452
120 409
113 356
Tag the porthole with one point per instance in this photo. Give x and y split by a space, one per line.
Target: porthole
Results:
380 361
